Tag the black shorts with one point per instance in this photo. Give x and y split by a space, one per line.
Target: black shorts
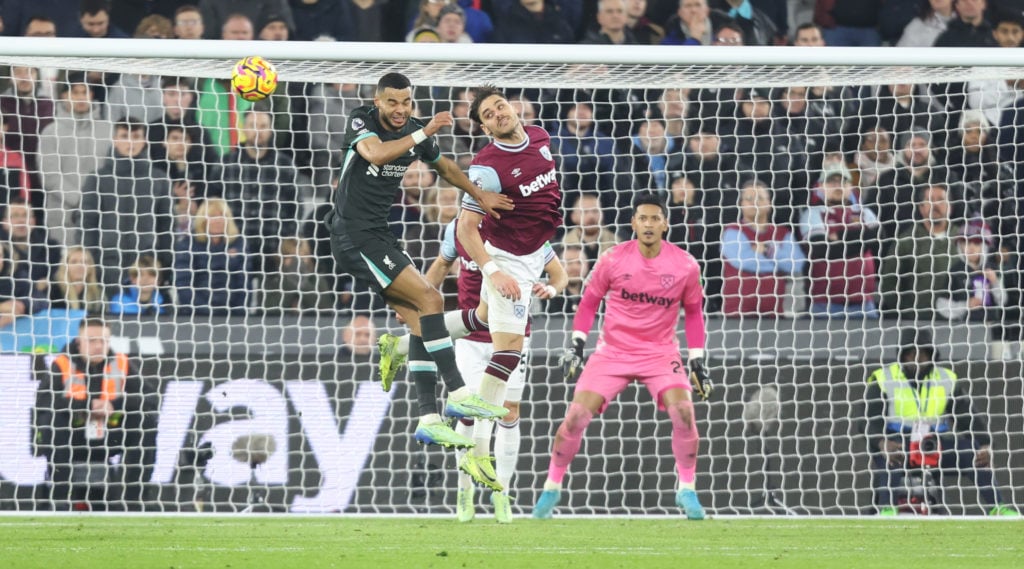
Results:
374 258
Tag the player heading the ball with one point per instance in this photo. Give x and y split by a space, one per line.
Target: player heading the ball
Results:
642 283
381 141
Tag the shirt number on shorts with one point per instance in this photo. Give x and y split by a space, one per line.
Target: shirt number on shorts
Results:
677 366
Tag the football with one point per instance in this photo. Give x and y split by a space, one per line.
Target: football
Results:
254 78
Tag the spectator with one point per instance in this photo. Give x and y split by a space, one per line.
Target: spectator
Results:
17 14
534 21
686 217
328 107
154 26
975 291
969 28
875 156
914 395
424 35
900 108
322 19
263 187
756 27
917 272
94 423
465 138
292 283
799 132
893 195
185 161
645 31
851 23
368 19
43 27
15 290
752 135
94 20
778 12
923 30
1009 28
895 15
728 33
577 267
184 208
359 338
759 258
451 25
646 162
70 148
15 183
526 110
588 228
1005 333
188 23
212 265
141 294
74 286
691 25
571 10
1011 132
34 254
137 96
126 14
612 27
218 13
992 97
237 27
673 105
808 35
25 114
40 27
178 105
426 17
274 28
584 153
126 206
841 237
988 186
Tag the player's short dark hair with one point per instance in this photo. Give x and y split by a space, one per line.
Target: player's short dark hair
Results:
650 198
393 80
91 7
70 79
479 95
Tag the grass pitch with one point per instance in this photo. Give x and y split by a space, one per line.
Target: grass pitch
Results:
83 542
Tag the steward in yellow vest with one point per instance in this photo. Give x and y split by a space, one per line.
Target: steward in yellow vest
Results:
920 416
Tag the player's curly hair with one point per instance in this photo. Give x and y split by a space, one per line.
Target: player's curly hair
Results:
480 94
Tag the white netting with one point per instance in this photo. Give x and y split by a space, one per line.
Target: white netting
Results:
256 372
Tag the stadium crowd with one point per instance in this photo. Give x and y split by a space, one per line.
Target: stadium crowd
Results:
137 194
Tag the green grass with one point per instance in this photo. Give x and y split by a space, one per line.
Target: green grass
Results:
81 542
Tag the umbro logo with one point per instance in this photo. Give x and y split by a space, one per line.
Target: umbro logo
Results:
516 172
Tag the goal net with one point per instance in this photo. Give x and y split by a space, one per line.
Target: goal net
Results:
836 199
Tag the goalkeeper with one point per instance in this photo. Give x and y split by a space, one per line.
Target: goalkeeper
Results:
642 282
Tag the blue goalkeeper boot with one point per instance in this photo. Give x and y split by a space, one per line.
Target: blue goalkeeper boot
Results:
546 504
687 500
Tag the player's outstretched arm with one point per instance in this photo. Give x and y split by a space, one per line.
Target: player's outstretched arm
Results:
379 153
490 202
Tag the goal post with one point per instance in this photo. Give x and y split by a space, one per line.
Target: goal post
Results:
889 181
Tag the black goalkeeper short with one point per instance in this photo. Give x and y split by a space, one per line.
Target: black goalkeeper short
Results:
374 258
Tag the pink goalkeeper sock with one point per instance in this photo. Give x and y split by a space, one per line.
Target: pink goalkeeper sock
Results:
685 440
567 441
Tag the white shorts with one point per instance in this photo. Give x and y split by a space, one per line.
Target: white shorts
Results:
503 314
472 358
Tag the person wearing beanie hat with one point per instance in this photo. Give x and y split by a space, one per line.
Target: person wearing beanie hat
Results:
451 25
919 417
274 28
424 35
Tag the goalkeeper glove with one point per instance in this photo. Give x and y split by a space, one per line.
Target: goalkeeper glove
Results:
699 378
572 360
